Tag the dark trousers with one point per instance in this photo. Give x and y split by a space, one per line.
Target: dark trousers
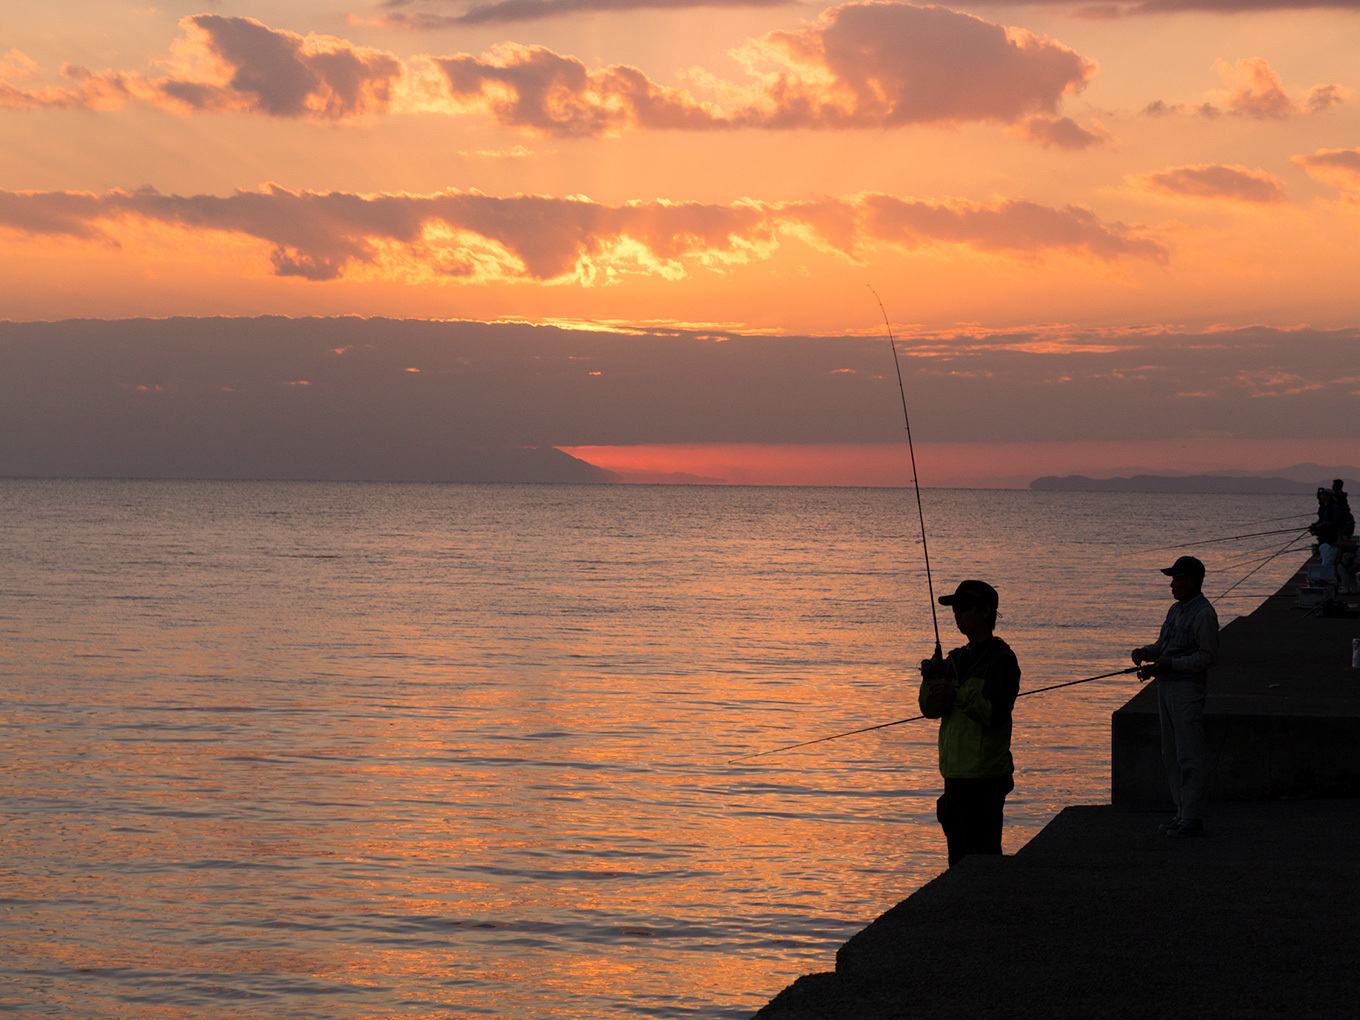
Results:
970 813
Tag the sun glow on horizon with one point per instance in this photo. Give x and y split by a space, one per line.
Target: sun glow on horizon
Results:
946 465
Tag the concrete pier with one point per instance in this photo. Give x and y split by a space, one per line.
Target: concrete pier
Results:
1282 718
1100 915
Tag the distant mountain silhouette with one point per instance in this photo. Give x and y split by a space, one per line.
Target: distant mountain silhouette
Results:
520 464
1299 479
1308 472
486 464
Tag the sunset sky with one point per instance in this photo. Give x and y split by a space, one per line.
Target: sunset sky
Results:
1108 235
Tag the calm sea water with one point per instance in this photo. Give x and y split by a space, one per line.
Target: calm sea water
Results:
336 750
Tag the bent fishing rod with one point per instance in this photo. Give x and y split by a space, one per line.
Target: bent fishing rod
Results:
915 718
925 548
915 477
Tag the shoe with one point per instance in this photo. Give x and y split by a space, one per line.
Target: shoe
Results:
1168 826
1188 827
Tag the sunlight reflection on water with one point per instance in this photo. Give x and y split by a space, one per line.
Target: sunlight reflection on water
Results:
381 750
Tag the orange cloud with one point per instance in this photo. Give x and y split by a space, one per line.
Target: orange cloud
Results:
241 65
533 88
17 66
887 64
287 75
108 91
1214 181
1338 167
1324 97
860 65
1061 132
468 235
1011 226
1257 92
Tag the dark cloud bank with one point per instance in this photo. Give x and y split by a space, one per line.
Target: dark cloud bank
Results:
441 14
434 14
337 398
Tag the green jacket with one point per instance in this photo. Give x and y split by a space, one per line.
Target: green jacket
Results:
975 726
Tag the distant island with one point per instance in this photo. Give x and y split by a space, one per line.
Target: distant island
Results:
1300 479
518 464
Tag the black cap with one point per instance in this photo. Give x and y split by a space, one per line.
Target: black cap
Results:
972 591
1185 566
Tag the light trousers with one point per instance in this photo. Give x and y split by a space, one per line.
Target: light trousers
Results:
1330 555
1180 707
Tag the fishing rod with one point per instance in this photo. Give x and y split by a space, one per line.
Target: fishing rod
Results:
925 549
899 722
915 478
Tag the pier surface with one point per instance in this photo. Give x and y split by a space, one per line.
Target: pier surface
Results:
1100 915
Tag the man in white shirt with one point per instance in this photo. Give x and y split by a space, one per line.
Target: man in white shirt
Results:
1179 660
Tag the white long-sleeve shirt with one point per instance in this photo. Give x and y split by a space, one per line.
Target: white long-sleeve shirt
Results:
1190 637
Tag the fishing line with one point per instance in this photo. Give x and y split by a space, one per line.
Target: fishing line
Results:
1226 538
1193 541
1241 563
1280 552
1261 558
915 718
915 478
1023 694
